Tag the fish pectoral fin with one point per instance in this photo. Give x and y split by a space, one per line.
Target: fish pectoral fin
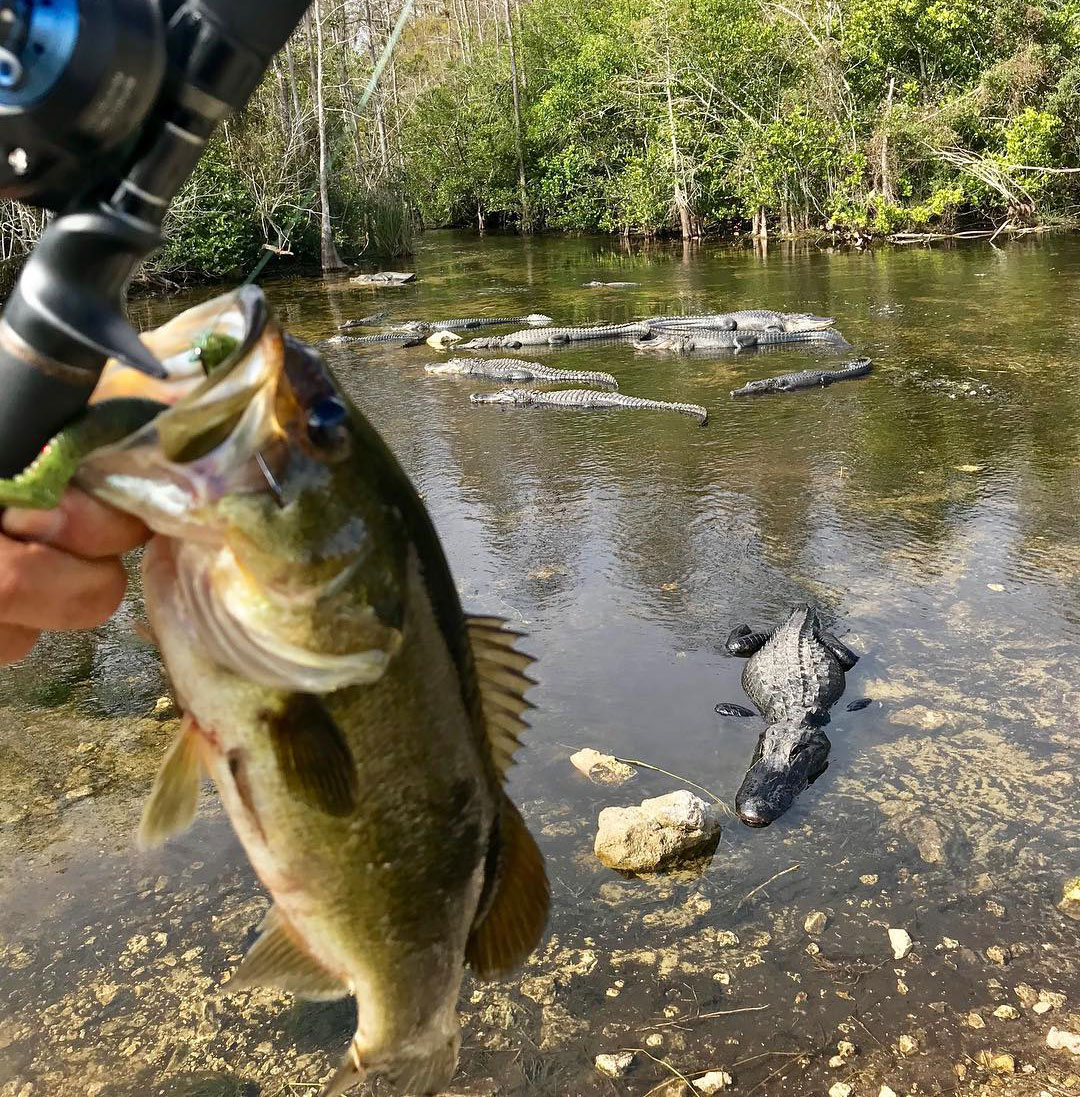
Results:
500 671
514 922
277 960
349 1074
175 795
314 757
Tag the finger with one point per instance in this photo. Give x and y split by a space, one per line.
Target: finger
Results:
79 524
16 643
44 588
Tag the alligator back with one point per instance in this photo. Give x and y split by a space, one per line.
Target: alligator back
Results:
553 336
794 676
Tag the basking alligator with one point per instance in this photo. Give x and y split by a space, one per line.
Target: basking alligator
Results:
555 336
583 398
417 327
795 674
514 369
804 379
610 285
684 342
746 320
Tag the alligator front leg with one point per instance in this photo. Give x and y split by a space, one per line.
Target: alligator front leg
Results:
744 643
843 654
729 708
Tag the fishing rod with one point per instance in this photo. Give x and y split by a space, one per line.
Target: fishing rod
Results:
105 108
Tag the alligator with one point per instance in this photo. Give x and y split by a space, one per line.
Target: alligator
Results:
583 398
610 285
385 278
794 675
514 369
363 321
557 336
805 379
402 339
684 342
746 320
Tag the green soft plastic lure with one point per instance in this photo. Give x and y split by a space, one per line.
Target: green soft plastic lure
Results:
42 484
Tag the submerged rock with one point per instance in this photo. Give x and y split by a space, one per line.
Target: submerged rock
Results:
616 1064
1059 1040
815 922
713 1082
901 943
602 769
658 832
1070 900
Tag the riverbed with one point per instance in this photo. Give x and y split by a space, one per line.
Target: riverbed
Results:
928 510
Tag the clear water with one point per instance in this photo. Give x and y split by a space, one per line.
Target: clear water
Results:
937 529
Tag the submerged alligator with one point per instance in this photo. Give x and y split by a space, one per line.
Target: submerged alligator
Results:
514 369
610 285
795 674
805 379
746 320
403 339
685 342
363 321
556 336
584 398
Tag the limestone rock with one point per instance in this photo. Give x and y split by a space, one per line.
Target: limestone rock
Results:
1007 1013
1059 1040
658 832
713 1082
840 1089
601 769
908 1045
974 1020
616 1064
998 954
1027 994
901 943
815 922
886 1091
1001 1063
1070 900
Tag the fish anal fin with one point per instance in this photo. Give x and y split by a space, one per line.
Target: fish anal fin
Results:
175 795
512 925
277 960
500 671
314 757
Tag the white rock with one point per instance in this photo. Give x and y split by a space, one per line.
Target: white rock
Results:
658 832
815 922
1007 1013
837 1061
616 1064
1059 1040
601 769
908 1045
713 1082
886 1091
840 1089
901 943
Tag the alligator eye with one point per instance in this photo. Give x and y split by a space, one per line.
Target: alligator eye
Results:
327 426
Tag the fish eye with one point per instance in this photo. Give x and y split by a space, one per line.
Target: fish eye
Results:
327 425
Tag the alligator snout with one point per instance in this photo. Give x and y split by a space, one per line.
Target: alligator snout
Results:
756 813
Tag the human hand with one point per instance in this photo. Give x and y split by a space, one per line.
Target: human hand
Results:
61 569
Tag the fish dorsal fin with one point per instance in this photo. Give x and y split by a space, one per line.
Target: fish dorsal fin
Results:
514 922
277 960
175 794
500 670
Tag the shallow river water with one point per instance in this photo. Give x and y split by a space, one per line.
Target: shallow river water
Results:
930 512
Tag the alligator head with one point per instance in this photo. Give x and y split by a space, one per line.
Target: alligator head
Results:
787 759
503 396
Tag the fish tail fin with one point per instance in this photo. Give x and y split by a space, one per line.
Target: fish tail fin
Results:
423 1069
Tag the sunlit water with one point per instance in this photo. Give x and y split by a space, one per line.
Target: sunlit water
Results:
937 530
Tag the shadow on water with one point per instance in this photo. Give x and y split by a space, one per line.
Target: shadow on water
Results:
928 510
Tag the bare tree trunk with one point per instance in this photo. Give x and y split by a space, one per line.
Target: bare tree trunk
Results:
376 98
887 191
327 248
681 204
526 220
292 78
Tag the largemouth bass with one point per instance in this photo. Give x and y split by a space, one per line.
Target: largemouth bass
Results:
357 724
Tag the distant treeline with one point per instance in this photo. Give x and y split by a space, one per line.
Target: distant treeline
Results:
688 117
